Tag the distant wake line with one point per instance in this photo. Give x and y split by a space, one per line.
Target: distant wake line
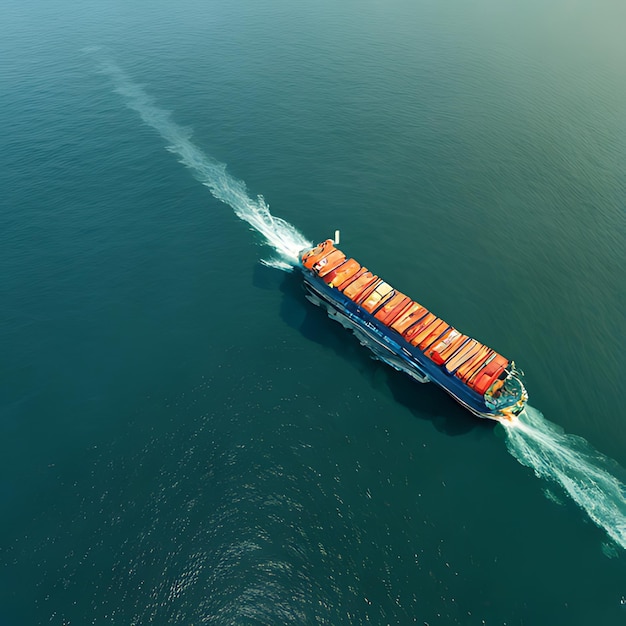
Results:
569 460
281 235
585 474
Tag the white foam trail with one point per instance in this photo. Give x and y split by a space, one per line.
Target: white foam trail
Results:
569 460
587 476
278 233
277 264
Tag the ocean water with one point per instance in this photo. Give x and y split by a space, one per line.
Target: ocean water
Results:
185 438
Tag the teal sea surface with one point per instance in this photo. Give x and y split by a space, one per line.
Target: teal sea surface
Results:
185 438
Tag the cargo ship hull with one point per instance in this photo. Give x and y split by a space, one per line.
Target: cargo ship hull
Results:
392 347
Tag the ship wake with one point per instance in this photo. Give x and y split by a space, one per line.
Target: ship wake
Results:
278 233
586 475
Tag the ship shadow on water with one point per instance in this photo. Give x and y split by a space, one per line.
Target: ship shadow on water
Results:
424 401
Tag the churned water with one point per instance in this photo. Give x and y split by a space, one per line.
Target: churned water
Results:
186 439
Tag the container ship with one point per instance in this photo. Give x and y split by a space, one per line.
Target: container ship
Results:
410 338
